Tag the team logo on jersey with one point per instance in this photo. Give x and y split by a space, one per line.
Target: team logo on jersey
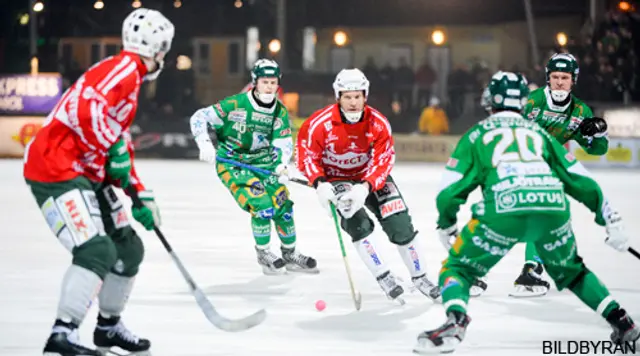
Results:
238 115
391 208
534 113
262 118
574 123
449 282
278 124
452 162
388 191
255 188
280 197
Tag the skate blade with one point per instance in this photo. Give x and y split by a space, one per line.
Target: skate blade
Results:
523 292
273 272
475 292
296 269
119 352
426 347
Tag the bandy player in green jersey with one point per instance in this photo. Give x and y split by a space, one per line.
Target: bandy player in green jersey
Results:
565 118
525 176
253 128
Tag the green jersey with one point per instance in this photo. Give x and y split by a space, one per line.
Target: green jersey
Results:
247 131
520 168
562 122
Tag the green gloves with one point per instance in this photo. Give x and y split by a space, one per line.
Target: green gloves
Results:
149 214
119 163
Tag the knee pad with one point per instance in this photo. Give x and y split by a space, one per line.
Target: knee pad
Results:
130 253
359 226
97 255
399 228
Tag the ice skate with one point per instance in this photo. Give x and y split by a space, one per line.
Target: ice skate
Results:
424 285
271 264
297 262
624 329
529 283
64 341
478 287
445 338
391 287
111 333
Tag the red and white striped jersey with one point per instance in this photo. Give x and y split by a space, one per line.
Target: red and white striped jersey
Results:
91 116
327 147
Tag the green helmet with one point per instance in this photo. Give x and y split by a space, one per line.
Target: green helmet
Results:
507 91
563 62
265 68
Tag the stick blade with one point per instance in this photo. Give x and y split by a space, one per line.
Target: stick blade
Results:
357 300
222 323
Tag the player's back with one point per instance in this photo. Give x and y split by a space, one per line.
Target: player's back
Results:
88 119
514 168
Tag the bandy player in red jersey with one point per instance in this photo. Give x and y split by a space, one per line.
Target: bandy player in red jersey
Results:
71 166
346 151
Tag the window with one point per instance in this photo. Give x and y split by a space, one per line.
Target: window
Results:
95 52
341 57
204 62
233 64
111 50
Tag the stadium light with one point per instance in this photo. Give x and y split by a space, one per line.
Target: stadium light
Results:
238 4
24 19
561 38
38 6
340 38
98 5
438 38
275 46
183 62
177 4
624 6
136 4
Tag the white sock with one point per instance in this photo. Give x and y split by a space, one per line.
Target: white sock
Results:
411 254
114 294
79 288
370 256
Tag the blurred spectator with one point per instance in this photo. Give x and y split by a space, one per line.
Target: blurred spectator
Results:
433 120
403 82
425 77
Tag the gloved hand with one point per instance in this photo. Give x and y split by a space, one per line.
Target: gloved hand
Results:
144 216
447 235
282 170
149 201
119 163
207 151
326 195
593 127
616 236
353 200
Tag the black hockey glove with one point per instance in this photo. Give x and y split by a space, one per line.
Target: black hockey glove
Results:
593 126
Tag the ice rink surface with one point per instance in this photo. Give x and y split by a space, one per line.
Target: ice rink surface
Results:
213 238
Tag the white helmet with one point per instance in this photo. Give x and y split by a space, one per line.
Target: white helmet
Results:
148 33
350 80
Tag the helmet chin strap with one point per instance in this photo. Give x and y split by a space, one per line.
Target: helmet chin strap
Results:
559 96
352 117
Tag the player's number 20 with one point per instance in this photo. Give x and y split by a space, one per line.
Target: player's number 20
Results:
522 137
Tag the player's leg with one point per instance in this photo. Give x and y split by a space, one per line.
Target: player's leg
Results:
251 196
475 251
390 209
359 227
286 228
71 209
559 251
118 283
530 283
